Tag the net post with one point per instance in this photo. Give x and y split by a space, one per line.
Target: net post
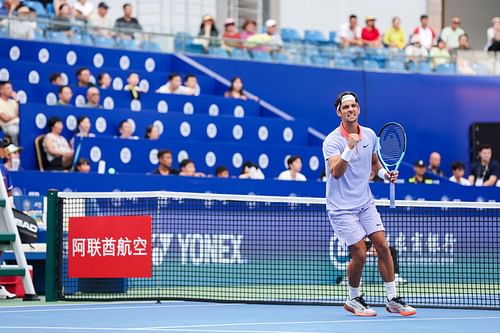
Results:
50 262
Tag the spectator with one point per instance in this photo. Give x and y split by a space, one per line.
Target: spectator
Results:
187 168
294 167
458 171
191 82
251 170
125 129
83 130
22 27
493 35
248 29
57 5
82 166
62 21
208 32
9 112
83 78
12 157
65 95
174 86
370 34
419 177
93 98
426 33
231 35
104 80
100 19
165 163
463 43
485 171
350 33
56 79
221 172
395 36
59 152
133 86
152 132
415 52
451 34
82 10
127 24
236 89
435 163
270 41
8 7
439 54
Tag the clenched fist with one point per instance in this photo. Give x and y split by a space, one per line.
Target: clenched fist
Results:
353 139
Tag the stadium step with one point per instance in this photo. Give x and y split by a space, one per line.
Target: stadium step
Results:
12 271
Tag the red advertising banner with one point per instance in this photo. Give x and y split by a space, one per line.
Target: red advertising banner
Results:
109 247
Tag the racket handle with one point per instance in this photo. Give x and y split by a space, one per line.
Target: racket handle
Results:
392 195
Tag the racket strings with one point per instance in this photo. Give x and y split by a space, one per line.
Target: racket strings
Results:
392 144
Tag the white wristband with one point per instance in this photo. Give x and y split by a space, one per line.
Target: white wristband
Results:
346 155
381 173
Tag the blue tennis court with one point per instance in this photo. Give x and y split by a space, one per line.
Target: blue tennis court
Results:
238 318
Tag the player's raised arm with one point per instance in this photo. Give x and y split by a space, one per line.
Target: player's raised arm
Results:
338 164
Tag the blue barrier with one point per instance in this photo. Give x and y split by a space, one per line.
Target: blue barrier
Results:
173 126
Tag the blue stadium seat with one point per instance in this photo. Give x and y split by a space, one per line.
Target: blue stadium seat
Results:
58 37
290 35
104 41
128 44
395 65
344 62
424 67
182 39
194 48
4 32
446 68
218 52
314 37
240 54
82 38
333 37
39 35
151 46
37 6
281 57
262 56
370 64
320 60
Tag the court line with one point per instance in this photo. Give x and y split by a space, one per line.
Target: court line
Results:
158 306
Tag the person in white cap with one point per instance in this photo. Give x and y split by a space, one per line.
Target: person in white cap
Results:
493 33
350 155
269 41
272 30
231 36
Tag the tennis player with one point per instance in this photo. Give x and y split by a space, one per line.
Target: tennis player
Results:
350 155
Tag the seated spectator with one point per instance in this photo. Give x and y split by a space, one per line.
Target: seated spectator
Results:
415 52
191 82
63 20
82 10
485 171
231 35
187 168
65 95
82 165
350 33
248 29
9 7
221 172
419 177
83 78
83 126
56 79
9 112
57 4
425 33
125 129
133 86
165 163
12 157
174 86
463 43
270 41
103 80
458 171
440 54
451 33
493 35
370 34
250 170
434 164
236 89
395 36
100 19
208 33
294 167
22 27
152 132
59 152
127 24
93 98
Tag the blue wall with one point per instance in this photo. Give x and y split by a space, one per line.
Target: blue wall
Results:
436 110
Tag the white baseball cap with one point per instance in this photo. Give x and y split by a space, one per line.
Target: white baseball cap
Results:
271 23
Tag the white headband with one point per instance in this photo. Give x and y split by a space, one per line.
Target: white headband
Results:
346 98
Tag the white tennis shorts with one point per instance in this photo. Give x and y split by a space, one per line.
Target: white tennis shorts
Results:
351 226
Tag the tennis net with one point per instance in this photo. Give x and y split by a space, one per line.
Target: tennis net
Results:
279 249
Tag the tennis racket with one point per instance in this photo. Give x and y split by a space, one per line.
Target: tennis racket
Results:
76 156
391 149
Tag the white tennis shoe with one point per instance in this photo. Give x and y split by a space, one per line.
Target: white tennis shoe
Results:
5 294
359 307
398 305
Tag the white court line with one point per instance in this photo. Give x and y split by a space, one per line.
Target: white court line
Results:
158 306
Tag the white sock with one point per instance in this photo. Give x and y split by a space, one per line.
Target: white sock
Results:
390 287
353 292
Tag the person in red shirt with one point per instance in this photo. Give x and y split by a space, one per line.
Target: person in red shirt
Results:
231 35
370 34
